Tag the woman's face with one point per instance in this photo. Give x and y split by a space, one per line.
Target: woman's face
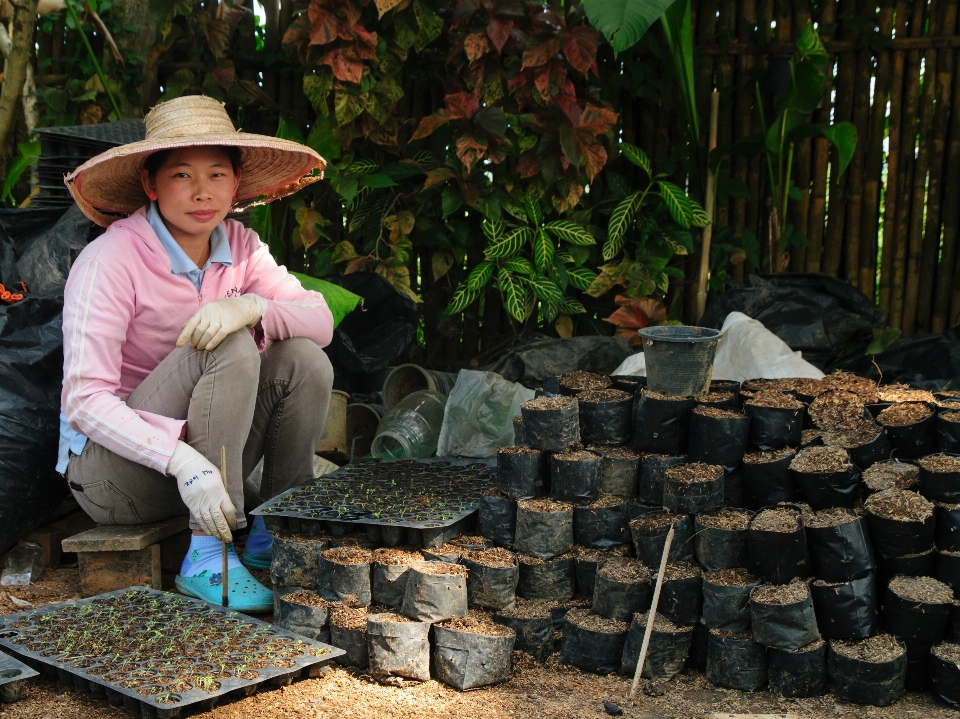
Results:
194 188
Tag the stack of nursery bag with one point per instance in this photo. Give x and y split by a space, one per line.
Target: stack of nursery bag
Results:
809 553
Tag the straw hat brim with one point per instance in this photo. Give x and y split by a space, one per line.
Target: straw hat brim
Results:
108 186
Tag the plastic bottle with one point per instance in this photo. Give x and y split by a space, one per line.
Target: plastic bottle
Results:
412 428
25 563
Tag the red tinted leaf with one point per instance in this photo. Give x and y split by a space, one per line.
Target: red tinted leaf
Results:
475 45
324 28
594 157
345 67
224 75
463 105
499 32
542 83
470 150
540 54
629 317
528 166
597 120
630 335
580 49
430 123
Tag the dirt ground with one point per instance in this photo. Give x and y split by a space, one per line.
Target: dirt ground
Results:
546 690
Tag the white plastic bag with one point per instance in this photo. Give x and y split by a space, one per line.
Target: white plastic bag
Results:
479 415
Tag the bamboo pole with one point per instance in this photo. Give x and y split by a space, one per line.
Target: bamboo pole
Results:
842 112
943 308
761 176
919 189
891 195
653 612
749 124
911 103
873 167
938 141
726 28
779 217
708 230
800 209
821 157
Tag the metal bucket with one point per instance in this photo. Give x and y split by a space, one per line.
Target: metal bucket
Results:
409 378
334 437
679 359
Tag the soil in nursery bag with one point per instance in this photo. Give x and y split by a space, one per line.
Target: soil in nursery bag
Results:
649 534
304 612
782 616
550 423
592 643
948 570
948 431
693 488
398 646
900 522
766 478
574 476
718 436
868 671
588 560
945 672
726 599
681 596
532 625
605 416
666 653
544 527
558 610
573 383
473 651
799 673
778 545
846 610
348 631
391 567
836 409
619 470
471 543
621 587
721 538
917 608
653 471
865 441
344 574
736 661
547 580
947 530
497 518
661 422
811 437
776 419
891 474
921 564
839 545
601 524
295 560
904 393
726 399
825 477
447 553
628 382
940 478
911 427
492 579
522 472
435 591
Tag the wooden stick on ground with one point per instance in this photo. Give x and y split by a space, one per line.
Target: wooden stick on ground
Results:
653 611
224 573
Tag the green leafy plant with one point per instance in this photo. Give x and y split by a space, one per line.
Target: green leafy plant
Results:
882 339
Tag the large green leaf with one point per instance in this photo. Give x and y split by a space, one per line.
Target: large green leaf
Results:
533 209
543 251
340 301
492 230
520 265
883 339
570 232
637 156
677 202
620 219
581 277
462 298
29 154
843 135
514 295
546 290
508 245
624 22
479 276
678 29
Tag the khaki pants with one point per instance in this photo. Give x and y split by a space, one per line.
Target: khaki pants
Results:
271 405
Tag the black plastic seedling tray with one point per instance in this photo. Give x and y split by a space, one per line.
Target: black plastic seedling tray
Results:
12 674
158 653
426 494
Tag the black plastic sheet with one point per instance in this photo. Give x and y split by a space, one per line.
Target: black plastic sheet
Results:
846 610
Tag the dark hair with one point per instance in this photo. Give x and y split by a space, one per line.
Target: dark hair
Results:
155 161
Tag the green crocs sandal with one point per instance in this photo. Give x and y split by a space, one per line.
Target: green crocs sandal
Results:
257 561
246 593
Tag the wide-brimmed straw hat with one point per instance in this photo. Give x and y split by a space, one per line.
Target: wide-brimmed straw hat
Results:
108 186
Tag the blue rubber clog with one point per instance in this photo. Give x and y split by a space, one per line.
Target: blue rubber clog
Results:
246 594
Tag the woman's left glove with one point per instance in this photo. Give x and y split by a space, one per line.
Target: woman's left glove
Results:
217 319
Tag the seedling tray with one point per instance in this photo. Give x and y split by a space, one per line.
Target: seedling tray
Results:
12 674
157 653
415 493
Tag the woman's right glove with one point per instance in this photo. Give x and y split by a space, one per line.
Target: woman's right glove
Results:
201 488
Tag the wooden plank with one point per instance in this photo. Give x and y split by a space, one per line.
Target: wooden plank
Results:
117 538
107 571
50 536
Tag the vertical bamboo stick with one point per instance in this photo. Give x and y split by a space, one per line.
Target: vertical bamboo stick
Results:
745 210
938 141
943 309
891 196
800 209
708 230
907 259
782 33
821 155
842 112
873 168
726 27
757 209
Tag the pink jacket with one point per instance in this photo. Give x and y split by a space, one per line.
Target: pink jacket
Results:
123 310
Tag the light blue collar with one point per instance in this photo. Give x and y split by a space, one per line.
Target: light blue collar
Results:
180 264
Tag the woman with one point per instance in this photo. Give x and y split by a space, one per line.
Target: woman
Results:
182 336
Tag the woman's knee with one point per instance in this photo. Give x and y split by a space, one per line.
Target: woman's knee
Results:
301 360
239 348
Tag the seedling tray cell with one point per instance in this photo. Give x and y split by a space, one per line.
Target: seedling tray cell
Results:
12 674
427 494
156 652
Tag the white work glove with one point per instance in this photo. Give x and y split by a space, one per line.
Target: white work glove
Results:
217 319
202 491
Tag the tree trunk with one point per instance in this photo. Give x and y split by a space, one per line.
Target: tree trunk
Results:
24 19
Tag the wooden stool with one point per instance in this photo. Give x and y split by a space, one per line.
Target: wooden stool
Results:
115 557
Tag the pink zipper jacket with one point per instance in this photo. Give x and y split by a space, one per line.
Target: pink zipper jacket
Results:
123 311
